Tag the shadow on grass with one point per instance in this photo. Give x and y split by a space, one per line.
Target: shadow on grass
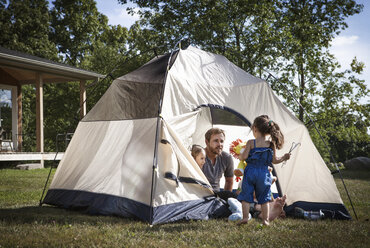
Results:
54 215
48 215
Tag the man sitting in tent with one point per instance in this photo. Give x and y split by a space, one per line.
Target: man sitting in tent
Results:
218 163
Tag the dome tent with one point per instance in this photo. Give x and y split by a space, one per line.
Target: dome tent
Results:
129 157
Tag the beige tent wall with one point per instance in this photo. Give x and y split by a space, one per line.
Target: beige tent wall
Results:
110 157
175 158
192 126
198 77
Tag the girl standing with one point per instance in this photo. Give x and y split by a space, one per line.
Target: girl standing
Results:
259 154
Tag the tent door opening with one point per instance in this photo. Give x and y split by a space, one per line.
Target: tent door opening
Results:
235 125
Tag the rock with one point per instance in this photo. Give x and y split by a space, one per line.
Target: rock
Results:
29 166
359 163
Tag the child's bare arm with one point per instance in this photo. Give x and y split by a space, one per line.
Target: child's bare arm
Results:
245 153
277 160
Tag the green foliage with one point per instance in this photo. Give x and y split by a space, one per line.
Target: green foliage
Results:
341 116
240 30
333 167
24 26
307 28
75 25
29 118
6 118
107 50
82 37
60 112
345 131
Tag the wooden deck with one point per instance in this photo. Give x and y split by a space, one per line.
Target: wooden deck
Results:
23 156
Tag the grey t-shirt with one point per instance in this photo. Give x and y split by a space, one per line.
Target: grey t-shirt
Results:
224 165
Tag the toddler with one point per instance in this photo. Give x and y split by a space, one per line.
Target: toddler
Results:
259 154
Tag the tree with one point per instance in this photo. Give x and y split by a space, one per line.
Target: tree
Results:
75 25
307 28
331 96
241 30
341 116
24 26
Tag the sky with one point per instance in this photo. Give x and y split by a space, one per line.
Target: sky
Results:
351 42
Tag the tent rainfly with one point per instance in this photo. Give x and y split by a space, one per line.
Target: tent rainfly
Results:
129 155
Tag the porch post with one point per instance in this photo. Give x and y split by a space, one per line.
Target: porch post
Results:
19 121
39 116
14 92
82 99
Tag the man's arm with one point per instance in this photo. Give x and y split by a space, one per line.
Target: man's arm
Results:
229 173
229 183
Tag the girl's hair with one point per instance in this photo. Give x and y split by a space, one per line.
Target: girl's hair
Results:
267 126
195 150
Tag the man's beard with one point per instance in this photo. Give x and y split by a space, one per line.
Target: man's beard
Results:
216 151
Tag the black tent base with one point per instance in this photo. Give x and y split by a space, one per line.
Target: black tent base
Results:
104 204
329 210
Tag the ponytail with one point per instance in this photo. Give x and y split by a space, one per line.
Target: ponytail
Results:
267 126
277 136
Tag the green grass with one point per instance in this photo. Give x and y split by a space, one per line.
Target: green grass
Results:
24 224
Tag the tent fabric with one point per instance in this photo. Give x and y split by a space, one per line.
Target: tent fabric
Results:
105 171
202 209
95 203
98 203
305 177
130 158
106 157
135 95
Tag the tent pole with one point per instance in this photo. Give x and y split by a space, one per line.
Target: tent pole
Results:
155 158
46 183
317 130
154 170
51 167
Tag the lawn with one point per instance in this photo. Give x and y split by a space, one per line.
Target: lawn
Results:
24 224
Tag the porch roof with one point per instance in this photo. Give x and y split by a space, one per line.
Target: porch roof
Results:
20 68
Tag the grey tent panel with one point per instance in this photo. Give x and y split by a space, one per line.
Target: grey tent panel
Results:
127 100
135 95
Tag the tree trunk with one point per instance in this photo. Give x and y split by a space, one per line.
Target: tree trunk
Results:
301 91
237 43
